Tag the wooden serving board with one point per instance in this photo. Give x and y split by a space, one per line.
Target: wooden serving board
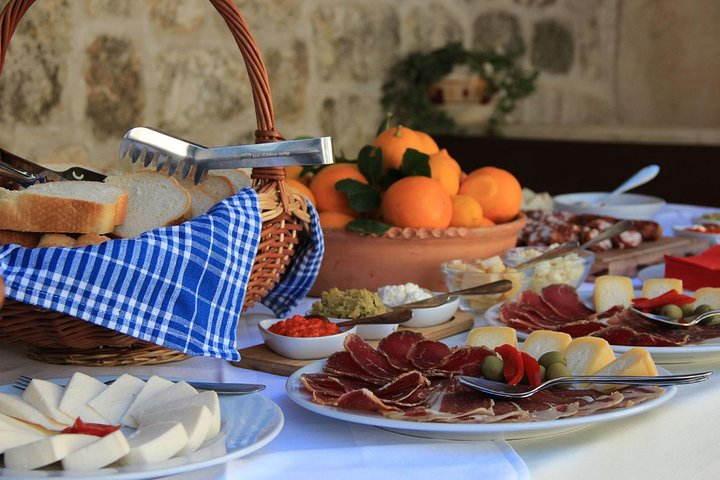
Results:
260 357
627 262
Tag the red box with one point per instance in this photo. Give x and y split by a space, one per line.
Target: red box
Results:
696 272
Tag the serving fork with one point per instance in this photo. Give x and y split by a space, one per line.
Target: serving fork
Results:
676 322
504 390
23 381
173 154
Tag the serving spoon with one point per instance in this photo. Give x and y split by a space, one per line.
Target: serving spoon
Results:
499 286
674 321
641 177
393 316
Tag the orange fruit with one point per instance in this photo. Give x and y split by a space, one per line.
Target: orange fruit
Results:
467 212
330 219
394 141
417 202
302 189
486 222
323 187
293 172
445 170
497 190
428 143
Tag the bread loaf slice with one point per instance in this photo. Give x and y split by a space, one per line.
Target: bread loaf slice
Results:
154 200
240 178
24 239
217 187
54 207
611 291
201 200
56 240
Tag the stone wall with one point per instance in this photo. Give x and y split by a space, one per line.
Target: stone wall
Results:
79 73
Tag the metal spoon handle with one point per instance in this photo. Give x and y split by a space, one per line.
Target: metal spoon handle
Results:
498 286
643 176
394 316
610 232
558 251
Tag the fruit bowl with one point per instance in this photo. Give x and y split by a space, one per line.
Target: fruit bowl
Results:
403 255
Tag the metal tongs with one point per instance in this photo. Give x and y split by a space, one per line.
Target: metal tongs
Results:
25 173
177 155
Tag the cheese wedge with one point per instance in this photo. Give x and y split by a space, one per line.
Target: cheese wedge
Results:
10 423
636 361
209 399
654 287
155 443
196 420
611 291
177 392
707 296
153 387
115 401
45 396
540 342
81 389
14 406
588 354
103 452
492 337
14 438
46 451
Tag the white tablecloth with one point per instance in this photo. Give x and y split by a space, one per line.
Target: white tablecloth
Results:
679 439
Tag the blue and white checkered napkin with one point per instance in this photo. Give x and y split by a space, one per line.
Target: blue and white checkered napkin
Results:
181 287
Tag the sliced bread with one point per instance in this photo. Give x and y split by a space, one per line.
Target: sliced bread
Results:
237 176
54 207
56 240
217 187
24 239
201 200
154 200
611 291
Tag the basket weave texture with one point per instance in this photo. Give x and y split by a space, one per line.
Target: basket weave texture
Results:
59 338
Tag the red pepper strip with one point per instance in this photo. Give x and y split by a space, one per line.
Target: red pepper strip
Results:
512 363
532 369
97 429
667 298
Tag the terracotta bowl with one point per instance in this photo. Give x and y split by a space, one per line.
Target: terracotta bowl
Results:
406 255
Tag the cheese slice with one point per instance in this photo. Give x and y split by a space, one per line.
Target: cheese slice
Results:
98 454
10 423
636 361
14 438
588 354
155 443
611 291
114 402
153 387
209 399
45 396
81 389
654 287
177 392
492 337
46 451
14 406
707 296
196 420
540 342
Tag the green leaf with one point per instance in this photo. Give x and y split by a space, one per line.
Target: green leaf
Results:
365 225
415 163
370 160
361 197
390 177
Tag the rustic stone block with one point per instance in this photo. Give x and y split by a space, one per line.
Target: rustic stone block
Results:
123 8
115 98
553 47
179 15
351 121
354 41
498 31
199 86
288 73
430 26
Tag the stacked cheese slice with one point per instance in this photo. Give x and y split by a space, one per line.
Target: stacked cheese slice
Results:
170 419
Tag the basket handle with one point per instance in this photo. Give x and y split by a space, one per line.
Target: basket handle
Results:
15 10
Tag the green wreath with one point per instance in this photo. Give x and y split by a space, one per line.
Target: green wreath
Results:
405 92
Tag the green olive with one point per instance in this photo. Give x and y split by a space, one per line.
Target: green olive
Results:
687 310
706 308
492 368
672 311
543 372
556 370
548 358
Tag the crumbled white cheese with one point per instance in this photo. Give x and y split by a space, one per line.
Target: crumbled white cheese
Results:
569 269
394 295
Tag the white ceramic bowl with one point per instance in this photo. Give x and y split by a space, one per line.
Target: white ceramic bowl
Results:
626 205
680 231
372 331
302 348
429 317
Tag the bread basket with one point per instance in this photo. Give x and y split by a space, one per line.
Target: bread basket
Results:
58 338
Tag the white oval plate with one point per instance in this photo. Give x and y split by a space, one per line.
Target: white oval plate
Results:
455 431
708 350
653 271
249 422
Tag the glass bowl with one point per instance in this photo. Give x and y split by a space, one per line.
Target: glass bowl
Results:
571 269
461 274
302 348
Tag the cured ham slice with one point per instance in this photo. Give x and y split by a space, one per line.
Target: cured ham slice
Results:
343 364
466 360
364 399
428 354
543 308
369 359
565 300
396 346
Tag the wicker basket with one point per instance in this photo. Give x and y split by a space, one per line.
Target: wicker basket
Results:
58 338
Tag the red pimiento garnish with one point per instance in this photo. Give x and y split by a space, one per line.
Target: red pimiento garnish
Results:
532 369
97 429
310 326
671 297
512 363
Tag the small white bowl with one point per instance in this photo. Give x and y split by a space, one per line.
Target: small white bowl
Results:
713 238
627 205
373 331
429 317
300 348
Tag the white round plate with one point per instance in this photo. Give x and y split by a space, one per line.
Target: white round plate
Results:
455 431
249 422
653 271
712 238
705 351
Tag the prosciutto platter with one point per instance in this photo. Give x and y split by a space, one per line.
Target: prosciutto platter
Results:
411 379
